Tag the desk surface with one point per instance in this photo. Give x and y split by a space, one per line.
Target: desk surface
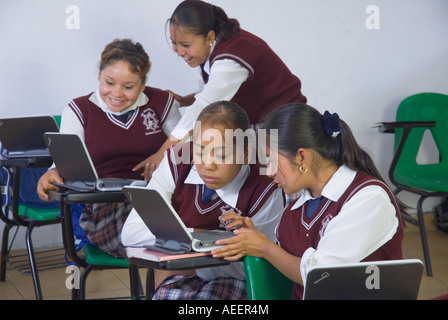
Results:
38 161
177 264
88 197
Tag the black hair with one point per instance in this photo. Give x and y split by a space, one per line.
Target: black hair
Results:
301 126
201 17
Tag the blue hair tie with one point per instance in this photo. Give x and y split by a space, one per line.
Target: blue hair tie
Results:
331 123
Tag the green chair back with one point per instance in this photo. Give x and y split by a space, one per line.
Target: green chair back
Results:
423 107
265 282
58 120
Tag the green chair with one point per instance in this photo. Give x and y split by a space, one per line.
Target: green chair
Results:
96 259
265 282
416 117
93 257
30 216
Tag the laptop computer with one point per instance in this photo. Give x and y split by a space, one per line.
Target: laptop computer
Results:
22 137
76 168
374 280
172 236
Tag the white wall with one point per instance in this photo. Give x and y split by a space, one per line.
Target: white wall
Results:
360 73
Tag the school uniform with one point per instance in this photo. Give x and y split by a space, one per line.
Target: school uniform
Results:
117 142
244 70
249 194
356 219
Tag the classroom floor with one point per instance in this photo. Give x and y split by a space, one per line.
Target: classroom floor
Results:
115 283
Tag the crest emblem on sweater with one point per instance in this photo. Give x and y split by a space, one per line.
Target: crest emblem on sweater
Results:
150 121
325 222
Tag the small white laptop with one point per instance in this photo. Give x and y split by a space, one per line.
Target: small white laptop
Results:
76 168
172 236
22 137
374 280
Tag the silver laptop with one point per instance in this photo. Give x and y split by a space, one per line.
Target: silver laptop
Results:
172 236
377 280
76 168
22 137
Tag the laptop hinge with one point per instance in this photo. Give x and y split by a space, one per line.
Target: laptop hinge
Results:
173 245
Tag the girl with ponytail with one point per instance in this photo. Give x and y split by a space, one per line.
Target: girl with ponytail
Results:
235 65
345 212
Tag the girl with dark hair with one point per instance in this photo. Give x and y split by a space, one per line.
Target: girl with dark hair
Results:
345 214
210 189
122 123
235 65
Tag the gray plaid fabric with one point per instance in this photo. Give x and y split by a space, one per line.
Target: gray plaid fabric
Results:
102 224
183 287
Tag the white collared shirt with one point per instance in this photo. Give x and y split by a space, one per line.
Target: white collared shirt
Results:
350 236
71 124
136 234
225 78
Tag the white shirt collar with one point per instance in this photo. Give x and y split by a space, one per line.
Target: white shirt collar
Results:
207 62
229 193
334 188
98 101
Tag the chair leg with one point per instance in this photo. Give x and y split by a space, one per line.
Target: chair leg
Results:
150 290
5 252
135 282
423 236
75 294
33 266
82 282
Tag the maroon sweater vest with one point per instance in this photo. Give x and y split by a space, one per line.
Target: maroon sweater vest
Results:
116 147
186 198
296 233
270 84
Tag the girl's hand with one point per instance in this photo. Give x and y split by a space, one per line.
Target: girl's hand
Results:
246 242
45 184
230 220
184 101
149 165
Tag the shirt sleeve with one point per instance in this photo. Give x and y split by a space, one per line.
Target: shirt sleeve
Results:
265 221
135 233
70 123
172 118
226 77
364 224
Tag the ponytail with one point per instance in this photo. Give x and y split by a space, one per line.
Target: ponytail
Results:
225 27
302 126
353 156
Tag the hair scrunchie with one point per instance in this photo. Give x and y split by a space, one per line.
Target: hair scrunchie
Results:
331 123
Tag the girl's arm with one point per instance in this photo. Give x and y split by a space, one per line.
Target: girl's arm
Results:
226 77
250 242
135 233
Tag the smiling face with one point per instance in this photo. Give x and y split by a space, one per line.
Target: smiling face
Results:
192 48
119 86
214 157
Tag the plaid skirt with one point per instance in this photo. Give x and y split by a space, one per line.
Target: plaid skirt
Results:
102 224
186 287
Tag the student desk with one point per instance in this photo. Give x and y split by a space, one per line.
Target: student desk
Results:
67 197
101 259
180 264
18 220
